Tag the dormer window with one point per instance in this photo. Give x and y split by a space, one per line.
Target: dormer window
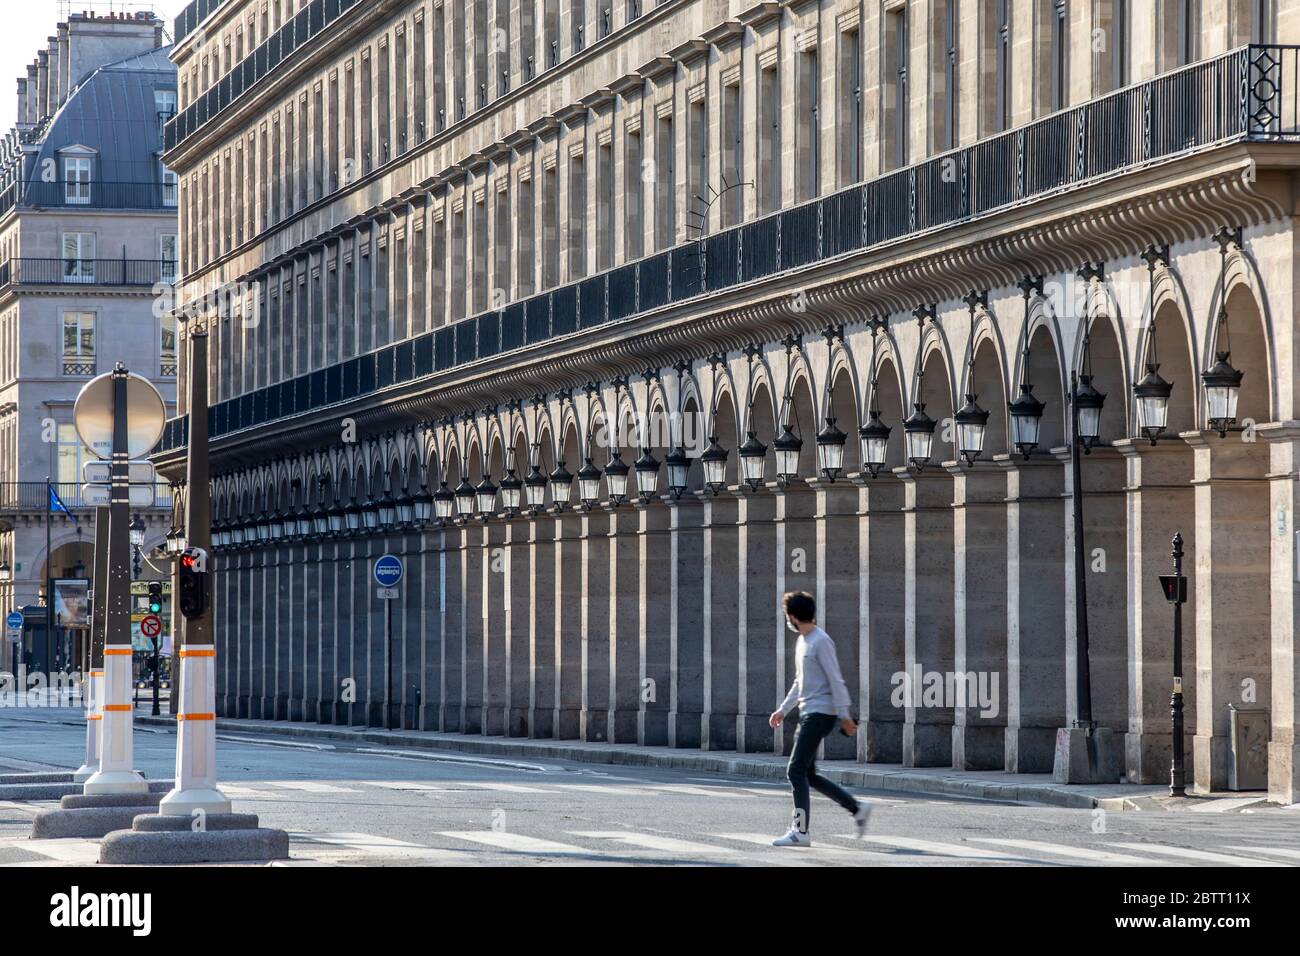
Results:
76 180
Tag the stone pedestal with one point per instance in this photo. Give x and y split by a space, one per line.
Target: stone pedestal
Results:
1087 756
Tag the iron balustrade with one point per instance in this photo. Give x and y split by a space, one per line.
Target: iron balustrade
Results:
33 497
143 273
93 194
1245 94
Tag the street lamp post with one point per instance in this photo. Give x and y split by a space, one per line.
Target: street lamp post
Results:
1175 588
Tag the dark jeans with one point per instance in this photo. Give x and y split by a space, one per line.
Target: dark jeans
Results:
802 770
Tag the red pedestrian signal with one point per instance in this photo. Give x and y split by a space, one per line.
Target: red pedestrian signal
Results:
193 582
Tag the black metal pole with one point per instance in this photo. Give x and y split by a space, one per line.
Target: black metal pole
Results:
49 593
1177 772
1083 677
156 642
388 653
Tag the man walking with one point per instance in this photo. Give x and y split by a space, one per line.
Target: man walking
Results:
823 701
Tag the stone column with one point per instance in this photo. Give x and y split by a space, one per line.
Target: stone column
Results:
657 638
883 637
1233 592
495 632
796 570
314 621
330 611
293 639
413 634
928 616
543 699
624 624
1160 502
1284 504
473 544
979 615
261 691
374 657
757 551
345 652
429 563
519 664
686 552
595 548
566 722
1036 570
836 526
721 621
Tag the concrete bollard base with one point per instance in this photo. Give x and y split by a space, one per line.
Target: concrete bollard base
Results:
82 801
127 847
171 823
85 822
1086 755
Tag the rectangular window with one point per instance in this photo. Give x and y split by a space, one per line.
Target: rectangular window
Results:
551 31
849 133
349 127
367 130
399 87
550 228
439 91
385 108
480 54
480 258
169 188
604 207
577 230
896 92
458 277
733 125
666 180
333 160
526 267
633 228
697 163
769 144
167 257
501 246
318 142
276 175
78 257
76 180
418 93
437 290
1060 55
501 45
78 343
73 455
167 346
806 130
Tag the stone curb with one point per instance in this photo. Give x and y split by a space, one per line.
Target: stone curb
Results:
56 791
733 764
124 847
10 779
85 822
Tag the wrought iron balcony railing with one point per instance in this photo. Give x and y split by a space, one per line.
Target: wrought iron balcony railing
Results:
1245 94
143 273
33 497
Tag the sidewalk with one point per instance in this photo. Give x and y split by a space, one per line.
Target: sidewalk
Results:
1026 788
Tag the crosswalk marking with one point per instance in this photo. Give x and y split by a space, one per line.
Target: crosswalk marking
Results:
650 841
1077 852
516 841
338 846
960 850
309 786
351 839
1274 850
407 785
243 793
612 790
1223 805
1204 855
817 850
697 791
507 787
63 850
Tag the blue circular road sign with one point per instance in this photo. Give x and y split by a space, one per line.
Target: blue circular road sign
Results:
15 620
388 571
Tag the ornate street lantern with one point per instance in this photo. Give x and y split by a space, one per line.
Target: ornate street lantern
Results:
464 499
405 508
787 446
352 516
561 485
1152 395
616 472
918 433
485 497
336 518
1026 419
512 492
1222 389
679 468
589 484
443 501
647 475
753 461
370 515
1089 402
972 424
422 506
874 438
535 489
6 574
714 461
830 450
387 508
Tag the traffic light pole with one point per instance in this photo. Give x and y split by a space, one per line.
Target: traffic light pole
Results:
95 655
116 773
196 728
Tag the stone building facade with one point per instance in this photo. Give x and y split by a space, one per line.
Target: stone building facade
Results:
440 247
88 249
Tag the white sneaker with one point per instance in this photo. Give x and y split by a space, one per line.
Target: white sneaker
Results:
860 819
793 838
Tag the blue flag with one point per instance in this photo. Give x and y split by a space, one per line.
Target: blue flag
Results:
56 504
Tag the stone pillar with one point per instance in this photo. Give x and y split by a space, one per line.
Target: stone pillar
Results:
345 637
796 570
292 635
374 656
543 688
837 538
928 616
1284 504
1161 501
595 548
313 631
519 663
413 631
330 612
567 723
979 615
624 624
473 544
452 571
757 551
1105 557
657 637
1233 592
1036 569
883 638
686 578
495 633
721 621
429 565
262 689
244 635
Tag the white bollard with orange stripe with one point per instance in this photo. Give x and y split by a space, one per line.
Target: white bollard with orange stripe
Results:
94 718
116 751
196 737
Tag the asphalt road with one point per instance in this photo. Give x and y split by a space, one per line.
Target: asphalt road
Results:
373 805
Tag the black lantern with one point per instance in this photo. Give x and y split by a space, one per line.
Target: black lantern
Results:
972 424
336 518
787 446
874 438
647 475
443 502
405 508
616 471
512 492
1152 395
1026 419
535 489
370 515
387 509
1089 402
830 450
1222 388
589 484
485 497
352 515
918 431
464 499
679 468
320 519
422 506
561 485
753 461
714 461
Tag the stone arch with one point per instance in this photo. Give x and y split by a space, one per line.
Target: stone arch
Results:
1169 341
1250 351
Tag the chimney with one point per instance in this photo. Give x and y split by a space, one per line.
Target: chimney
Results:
22 100
31 94
95 41
42 83
65 86
55 100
